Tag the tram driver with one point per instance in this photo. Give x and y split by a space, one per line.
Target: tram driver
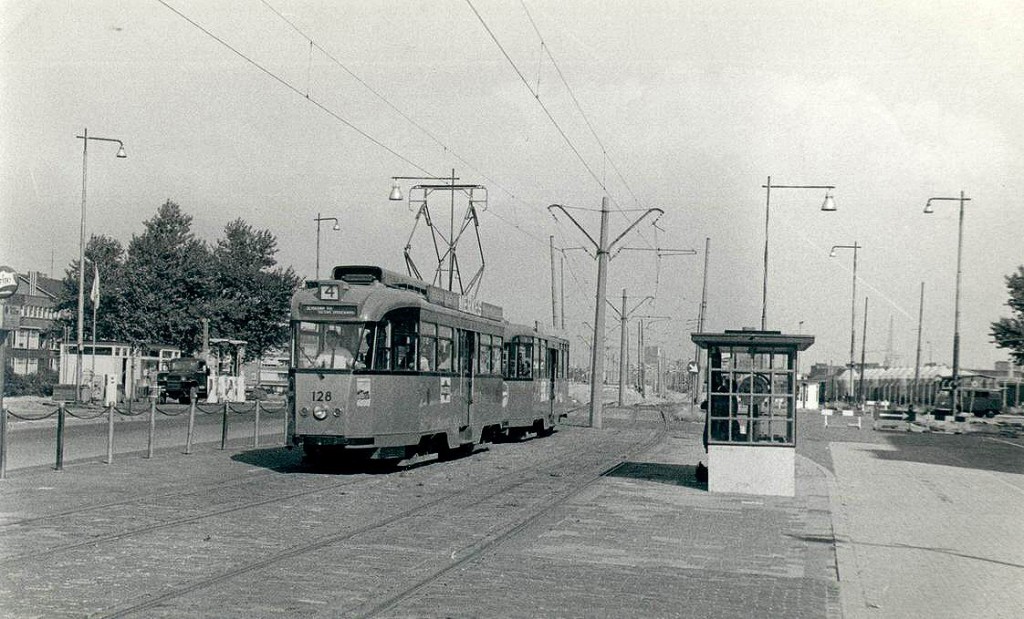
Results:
334 355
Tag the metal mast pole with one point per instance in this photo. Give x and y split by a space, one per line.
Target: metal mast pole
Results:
597 355
700 318
917 360
317 246
863 350
853 318
956 311
622 349
764 283
554 292
81 273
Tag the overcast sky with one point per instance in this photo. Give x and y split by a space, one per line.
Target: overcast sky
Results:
694 105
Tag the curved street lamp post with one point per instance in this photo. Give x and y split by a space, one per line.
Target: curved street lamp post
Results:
956 305
853 304
336 227
85 137
828 205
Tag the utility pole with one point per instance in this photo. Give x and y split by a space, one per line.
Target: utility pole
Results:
554 292
863 350
603 249
622 348
700 320
917 360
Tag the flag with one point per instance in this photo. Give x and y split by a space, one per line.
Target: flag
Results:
94 296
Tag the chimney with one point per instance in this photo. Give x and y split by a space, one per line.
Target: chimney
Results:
33 283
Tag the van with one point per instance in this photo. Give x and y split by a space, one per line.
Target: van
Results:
983 402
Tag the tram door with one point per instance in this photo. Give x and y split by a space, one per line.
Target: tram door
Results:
552 373
467 344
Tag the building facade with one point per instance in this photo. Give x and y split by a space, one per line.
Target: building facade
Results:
30 348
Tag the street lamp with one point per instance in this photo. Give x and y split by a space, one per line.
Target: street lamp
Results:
956 311
335 228
853 303
828 205
85 137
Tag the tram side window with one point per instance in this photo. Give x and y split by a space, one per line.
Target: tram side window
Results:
524 359
445 348
496 355
404 343
382 347
540 360
428 346
483 357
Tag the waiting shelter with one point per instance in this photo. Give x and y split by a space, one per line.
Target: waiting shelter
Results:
750 418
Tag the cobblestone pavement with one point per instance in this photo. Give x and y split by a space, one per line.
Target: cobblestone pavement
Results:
647 540
225 538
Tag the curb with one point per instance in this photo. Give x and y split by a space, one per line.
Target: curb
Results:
852 600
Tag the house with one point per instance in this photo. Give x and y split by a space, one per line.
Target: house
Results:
30 348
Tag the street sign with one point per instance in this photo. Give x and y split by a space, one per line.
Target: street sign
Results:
8 281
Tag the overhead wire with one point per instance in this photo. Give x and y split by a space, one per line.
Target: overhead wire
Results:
297 91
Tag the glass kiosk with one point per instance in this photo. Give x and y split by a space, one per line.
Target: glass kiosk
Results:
750 417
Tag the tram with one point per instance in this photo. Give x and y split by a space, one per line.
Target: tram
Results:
384 367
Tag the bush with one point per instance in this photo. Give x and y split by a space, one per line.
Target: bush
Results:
41 383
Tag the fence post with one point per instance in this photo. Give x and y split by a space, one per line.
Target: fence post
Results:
60 437
191 426
224 428
3 441
152 428
256 423
110 434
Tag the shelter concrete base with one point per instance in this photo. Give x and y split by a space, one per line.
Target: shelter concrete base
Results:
743 469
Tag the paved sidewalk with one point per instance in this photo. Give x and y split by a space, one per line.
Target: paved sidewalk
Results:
917 537
646 540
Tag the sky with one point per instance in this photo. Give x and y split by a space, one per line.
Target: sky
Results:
277 112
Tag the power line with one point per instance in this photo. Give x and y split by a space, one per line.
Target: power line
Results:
289 86
536 96
576 103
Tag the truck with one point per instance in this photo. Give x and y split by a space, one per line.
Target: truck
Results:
182 377
982 402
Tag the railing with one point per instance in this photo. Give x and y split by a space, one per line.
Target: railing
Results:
63 410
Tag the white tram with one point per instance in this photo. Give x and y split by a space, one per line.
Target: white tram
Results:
384 367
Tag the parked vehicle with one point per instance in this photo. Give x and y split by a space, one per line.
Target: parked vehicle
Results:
182 376
982 402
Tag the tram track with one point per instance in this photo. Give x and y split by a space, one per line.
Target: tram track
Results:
582 475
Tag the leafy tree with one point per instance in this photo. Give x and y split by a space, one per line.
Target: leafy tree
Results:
253 296
168 282
108 256
1009 332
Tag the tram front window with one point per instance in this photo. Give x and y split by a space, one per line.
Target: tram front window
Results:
338 346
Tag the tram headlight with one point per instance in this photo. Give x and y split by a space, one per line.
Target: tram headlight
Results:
319 413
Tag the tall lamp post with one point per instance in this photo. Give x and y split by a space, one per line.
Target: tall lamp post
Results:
828 205
85 137
956 311
853 304
336 227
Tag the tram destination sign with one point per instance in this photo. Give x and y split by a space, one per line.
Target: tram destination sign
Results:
332 311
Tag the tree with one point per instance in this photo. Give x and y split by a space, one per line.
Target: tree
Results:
168 282
107 255
253 296
1009 332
